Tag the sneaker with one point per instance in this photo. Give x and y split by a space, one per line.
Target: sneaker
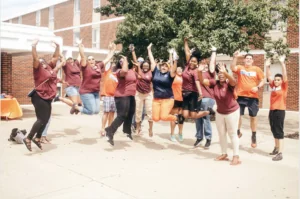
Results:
253 141
173 139
197 142
129 136
211 111
278 157
207 144
110 138
180 137
274 152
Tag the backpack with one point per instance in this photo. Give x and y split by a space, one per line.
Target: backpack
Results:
17 135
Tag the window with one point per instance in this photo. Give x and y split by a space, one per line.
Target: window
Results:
76 6
96 38
96 3
76 35
38 18
51 14
20 20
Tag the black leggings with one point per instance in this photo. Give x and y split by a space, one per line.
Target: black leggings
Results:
276 120
42 111
125 111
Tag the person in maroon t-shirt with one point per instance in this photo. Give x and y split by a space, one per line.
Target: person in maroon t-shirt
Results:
228 110
124 99
90 85
144 95
191 90
45 79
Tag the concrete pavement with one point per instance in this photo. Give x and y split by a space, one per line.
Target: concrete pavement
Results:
80 164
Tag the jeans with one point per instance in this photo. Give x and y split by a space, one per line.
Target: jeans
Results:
45 132
203 124
91 103
43 112
143 116
125 111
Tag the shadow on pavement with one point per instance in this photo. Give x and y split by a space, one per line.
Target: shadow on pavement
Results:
37 151
119 145
86 141
72 131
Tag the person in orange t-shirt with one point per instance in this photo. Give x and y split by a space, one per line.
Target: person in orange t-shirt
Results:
177 108
249 80
279 88
110 82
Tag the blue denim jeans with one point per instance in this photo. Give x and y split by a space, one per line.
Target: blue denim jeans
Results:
203 124
45 132
91 103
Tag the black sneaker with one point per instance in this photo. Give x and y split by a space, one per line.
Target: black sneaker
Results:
278 157
274 152
211 111
197 142
110 138
129 136
207 144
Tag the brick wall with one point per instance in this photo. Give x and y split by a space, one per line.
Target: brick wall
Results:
6 73
29 19
67 37
86 7
15 20
292 68
292 34
108 34
63 14
45 17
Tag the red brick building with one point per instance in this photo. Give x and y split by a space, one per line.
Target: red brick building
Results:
71 19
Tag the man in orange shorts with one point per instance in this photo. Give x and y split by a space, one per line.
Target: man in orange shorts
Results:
250 80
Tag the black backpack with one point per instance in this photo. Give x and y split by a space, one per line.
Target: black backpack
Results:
17 135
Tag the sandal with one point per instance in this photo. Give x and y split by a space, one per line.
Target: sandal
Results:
222 157
27 144
235 160
44 140
37 143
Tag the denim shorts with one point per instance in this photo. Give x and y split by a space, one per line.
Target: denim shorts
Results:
72 91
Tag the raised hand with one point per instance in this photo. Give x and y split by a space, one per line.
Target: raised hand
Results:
78 41
237 53
54 43
222 68
171 50
131 47
35 42
149 47
112 46
175 56
124 59
192 50
201 67
282 58
268 62
213 48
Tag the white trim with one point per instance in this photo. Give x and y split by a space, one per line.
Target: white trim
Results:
86 50
90 24
32 8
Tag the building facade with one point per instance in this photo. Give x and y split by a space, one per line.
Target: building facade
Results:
71 19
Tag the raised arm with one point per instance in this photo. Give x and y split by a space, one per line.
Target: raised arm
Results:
83 61
34 54
202 81
233 66
112 49
173 55
212 63
268 71
150 55
131 48
124 69
55 56
61 64
187 50
284 74
79 58
231 80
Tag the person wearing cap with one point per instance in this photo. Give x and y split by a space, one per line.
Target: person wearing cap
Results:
163 77
191 90
144 96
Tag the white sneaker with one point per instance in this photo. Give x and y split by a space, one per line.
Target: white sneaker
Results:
173 138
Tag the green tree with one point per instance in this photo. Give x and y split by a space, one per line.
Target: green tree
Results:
227 24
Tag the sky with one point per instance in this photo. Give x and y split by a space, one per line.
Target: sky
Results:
10 6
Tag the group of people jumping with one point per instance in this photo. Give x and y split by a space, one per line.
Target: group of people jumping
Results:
161 91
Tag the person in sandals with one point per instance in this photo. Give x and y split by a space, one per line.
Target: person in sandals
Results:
279 86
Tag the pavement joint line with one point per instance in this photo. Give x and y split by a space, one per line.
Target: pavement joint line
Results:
94 180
